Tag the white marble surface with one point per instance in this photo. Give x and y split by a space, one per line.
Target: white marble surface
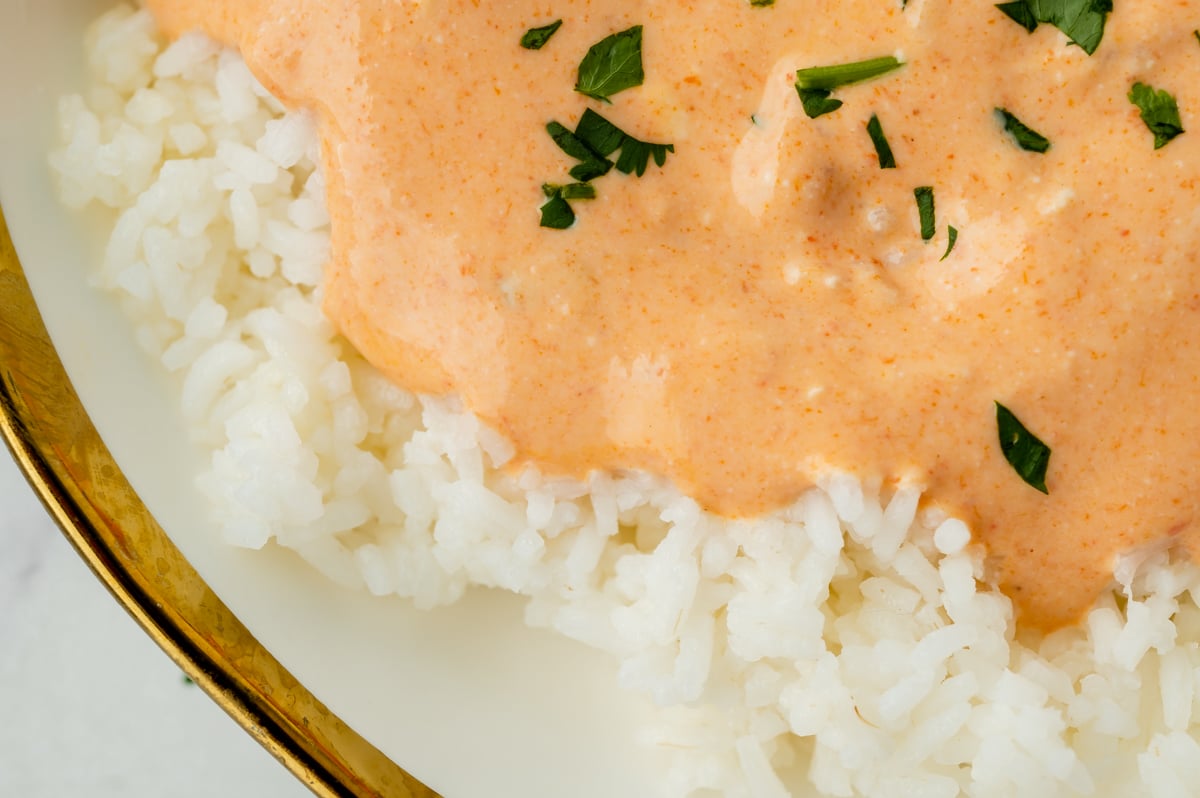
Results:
89 706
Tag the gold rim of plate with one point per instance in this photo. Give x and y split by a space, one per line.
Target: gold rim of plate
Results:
54 442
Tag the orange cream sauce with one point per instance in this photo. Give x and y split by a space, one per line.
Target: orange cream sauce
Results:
762 308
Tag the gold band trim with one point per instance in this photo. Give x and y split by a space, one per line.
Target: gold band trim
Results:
54 442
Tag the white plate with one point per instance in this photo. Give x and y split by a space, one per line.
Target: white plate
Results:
466 699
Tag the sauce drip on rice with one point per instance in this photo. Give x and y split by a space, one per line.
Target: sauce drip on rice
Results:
763 307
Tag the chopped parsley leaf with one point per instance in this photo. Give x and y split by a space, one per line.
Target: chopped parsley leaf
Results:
1158 111
612 64
1026 137
882 150
571 191
604 138
591 165
1020 13
536 38
636 155
924 196
1081 20
815 84
762 3
590 170
557 213
1028 456
569 143
816 102
591 143
952 235
598 134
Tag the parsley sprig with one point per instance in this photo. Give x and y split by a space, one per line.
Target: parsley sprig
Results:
595 138
834 77
591 143
604 138
816 84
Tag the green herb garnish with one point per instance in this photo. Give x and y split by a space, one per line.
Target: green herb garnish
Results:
536 38
815 84
1026 137
1158 111
1081 20
882 150
570 191
1020 13
952 235
557 213
762 3
816 102
1028 456
635 155
612 64
1196 33
569 143
604 138
598 134
834 77
924 196
590 164
591 143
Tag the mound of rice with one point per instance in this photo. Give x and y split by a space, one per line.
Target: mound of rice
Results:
847 645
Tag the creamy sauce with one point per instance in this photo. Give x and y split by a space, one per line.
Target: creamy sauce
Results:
762 309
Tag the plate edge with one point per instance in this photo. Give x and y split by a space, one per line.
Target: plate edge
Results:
54 443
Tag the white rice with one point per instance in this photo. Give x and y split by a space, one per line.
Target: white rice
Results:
844 646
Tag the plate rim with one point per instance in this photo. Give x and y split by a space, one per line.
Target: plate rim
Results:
58 450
